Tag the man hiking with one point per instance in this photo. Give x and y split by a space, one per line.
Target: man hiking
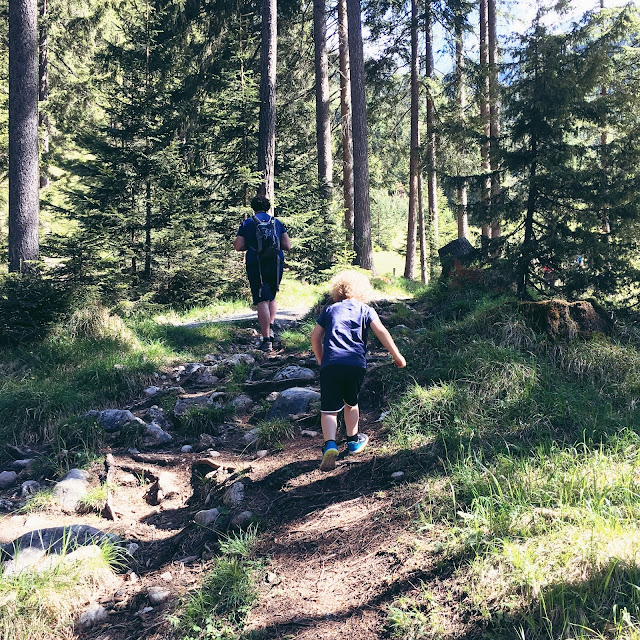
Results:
264 238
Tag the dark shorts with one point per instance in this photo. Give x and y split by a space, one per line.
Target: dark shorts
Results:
264 289
340 385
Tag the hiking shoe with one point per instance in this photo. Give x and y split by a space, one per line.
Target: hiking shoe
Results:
357 446
266 344
329 455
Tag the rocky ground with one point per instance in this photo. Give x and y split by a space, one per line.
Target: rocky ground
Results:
332 543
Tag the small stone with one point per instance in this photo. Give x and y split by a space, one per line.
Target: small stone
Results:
7 479
396 475
119 367
156 435
157 415
294 372
28 488
115 419
132 547
133 451
144 611
167 485
193 367
151 391
309 433
22 464
6 505
239 358
234 495
132 576
251 436
242 403
206 517
184 405
166 576
93 615
293 401
187 448
205 441
263 453
158 595
242 519
272 578
401 327
273 396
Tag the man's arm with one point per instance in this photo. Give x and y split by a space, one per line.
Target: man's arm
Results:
239 244
316 342
285 242
387 342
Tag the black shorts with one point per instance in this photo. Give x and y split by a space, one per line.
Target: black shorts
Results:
264 280
340 385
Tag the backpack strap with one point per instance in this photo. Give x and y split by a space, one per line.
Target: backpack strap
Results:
257 222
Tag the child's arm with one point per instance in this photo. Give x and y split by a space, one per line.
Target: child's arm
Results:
316 342
387 342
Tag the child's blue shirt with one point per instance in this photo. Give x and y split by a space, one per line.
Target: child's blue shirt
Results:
346 325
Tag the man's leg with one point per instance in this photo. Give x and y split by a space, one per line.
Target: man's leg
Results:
264 318
351 419
273 307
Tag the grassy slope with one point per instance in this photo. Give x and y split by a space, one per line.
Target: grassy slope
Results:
525 459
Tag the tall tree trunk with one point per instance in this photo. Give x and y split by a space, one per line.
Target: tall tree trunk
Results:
461 98
414 158
485 189
267 125
23 135
43 94
606 224
323 124
362 209
345 111
147 218
424 276
432 180
525 260
494 112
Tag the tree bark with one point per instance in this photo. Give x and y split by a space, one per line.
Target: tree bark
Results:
267 124
414 159
362 215
424 276
432 179
485 194
461 98
43 93
323 124
494 112
345 111
23 135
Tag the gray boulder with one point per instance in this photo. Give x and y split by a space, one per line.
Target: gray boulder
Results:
8 479
157 415
206 517
156 435
238 358
28 488
294 372
242 403
114 419
234 495
71 489
293 401
184 405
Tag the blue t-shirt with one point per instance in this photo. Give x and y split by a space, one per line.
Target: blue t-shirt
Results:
248 231
346 325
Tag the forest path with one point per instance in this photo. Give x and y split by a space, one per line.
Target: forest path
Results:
332 544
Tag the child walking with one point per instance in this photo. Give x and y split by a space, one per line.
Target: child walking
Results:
339 342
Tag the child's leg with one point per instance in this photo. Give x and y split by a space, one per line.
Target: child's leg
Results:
351 419
329 423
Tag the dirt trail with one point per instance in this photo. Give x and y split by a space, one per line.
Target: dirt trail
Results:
333 543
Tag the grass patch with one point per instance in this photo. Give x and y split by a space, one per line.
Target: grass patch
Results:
40 501
299 339
204 420
44 605
219 607
271 433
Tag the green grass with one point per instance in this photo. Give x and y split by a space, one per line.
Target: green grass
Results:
44 605
535 491
204 420
217 609
271 433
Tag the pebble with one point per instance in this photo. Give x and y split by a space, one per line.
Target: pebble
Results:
151 391
144 610
93 615
272 397
396 475
187 448
132 548
242 519
251 436
206 517
29 487
132 577
263 453
309 433
157 595
166 576
234 495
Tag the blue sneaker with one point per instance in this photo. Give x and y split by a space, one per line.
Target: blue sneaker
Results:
357 446
329 455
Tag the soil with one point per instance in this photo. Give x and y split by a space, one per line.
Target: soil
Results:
334 545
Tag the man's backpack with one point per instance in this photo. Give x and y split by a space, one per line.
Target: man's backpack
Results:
267 238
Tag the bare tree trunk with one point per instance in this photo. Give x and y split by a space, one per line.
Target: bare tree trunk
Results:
362 209
424 275
461 97
43 94
432 179
267 125
494 112
147 219
606 224
485 195
345 110
323 124
23 135
414 159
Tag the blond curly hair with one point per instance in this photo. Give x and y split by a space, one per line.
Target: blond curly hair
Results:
351 285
